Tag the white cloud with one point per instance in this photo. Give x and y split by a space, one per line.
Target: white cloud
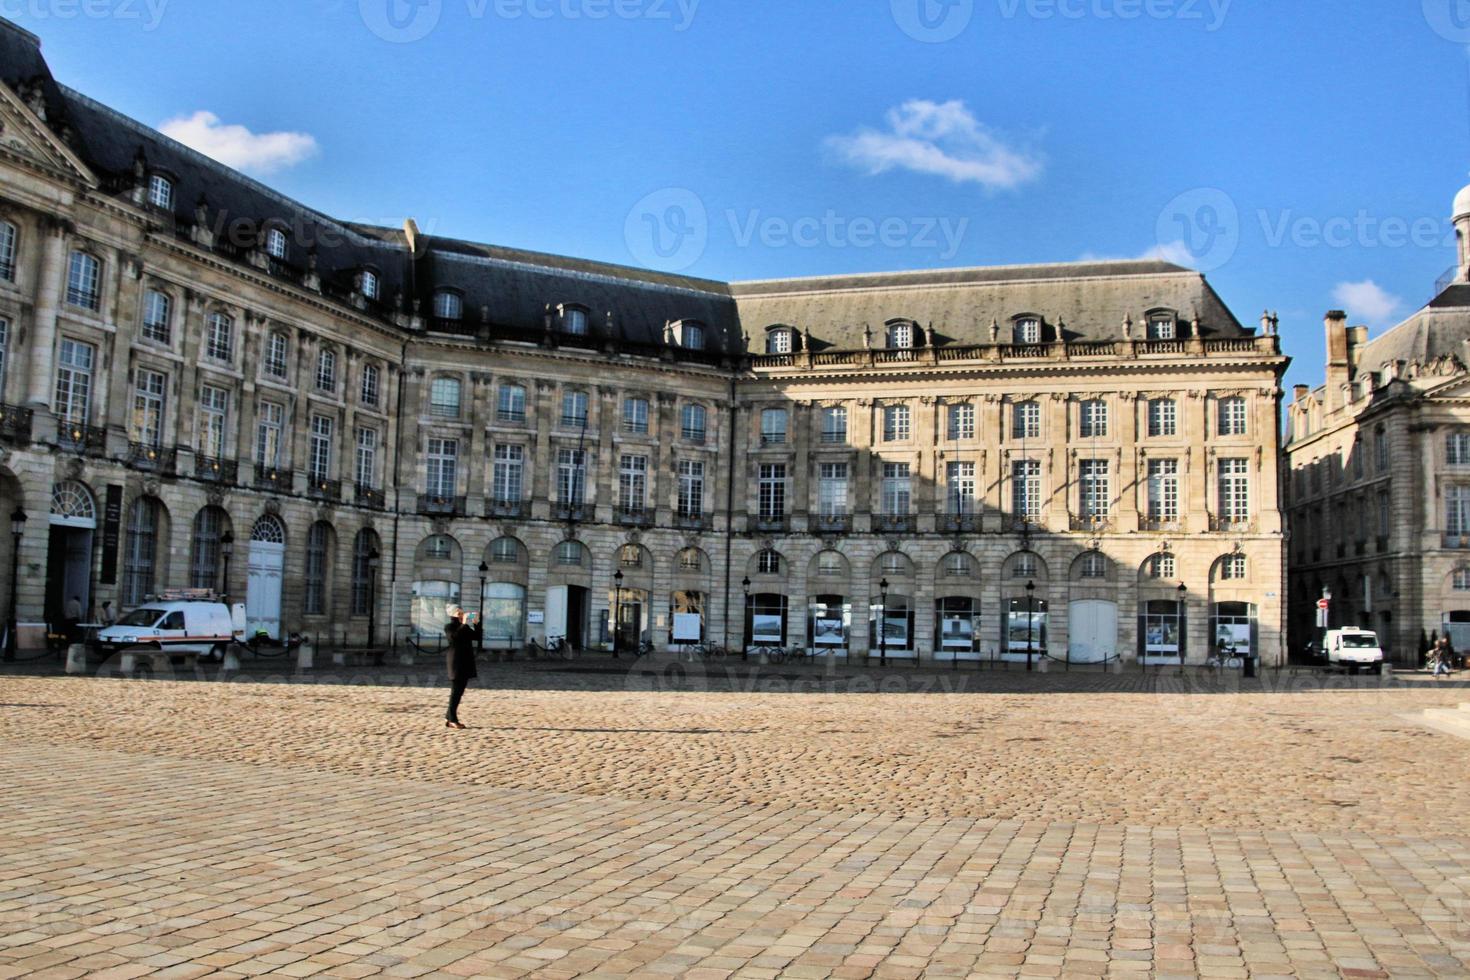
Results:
238 147
1368 300
1176 252
942 139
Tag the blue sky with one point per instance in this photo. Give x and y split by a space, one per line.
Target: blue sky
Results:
1305 154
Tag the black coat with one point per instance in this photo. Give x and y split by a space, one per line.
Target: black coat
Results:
459 659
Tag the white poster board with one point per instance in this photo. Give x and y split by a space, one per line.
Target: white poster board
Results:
766 629
959 633
828 633
688 627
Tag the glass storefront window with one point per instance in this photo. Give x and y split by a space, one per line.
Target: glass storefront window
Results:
430 610
1026 623
957 627
766 620
505 614
898 626
1161 629
1233 631
829 625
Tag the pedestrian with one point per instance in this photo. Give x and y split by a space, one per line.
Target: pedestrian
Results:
74 619
463 635
1439 657
106 618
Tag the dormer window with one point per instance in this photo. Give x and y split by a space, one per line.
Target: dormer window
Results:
1028 331
448 305
1163 326
900 336
574 322
691 336
161 192
371 284
276 245
779 341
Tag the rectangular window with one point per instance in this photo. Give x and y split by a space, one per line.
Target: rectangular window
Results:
319 462
219 341
1380 450
149 392
896 423
635 415
84 281
443 467
1232 416
1026 489
1457 449
574 409
633 483
275 355
1384 514
1163 418
510 404
693 423
961 489
773 427
326 371
1095 486
269 426
1457 511
365 466
832 490
1026 420
834 426
214 415
691 488
74 381
772 491
507 479
571 476
444 398
371 385
7 251
157 310
897 490
1094 420
4 352
315 591
1235 498
961 421
1163 490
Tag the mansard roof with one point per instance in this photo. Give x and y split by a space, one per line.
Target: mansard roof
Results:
1427 339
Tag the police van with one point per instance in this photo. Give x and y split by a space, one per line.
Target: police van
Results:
185 623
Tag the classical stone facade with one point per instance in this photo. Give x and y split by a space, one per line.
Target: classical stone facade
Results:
1379 475
208 384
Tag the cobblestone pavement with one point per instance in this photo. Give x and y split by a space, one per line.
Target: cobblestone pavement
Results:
596 824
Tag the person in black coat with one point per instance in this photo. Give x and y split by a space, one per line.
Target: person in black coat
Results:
459 660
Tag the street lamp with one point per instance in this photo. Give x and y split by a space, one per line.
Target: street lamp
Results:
745 635
1030 625
17 528
484 570
1183 624
226 548
372 597
618 613
883 623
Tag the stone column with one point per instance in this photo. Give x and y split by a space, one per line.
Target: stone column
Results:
543 455
801 464
48 302
860 434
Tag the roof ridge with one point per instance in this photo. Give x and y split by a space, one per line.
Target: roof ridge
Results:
1145 267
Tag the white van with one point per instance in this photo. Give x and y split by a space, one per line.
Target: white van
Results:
176 627
1353 648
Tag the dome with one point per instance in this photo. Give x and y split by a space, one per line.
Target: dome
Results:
1462 204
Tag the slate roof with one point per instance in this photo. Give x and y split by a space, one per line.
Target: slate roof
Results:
1439 330
1088 301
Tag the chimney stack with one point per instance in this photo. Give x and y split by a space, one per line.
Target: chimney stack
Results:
1338 369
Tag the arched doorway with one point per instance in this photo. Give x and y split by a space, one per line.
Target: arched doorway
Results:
264 571
69 556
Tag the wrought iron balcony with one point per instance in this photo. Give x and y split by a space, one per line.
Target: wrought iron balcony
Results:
213 470
512 509
1232 525
154 459
274 478
832 523
15 423
771 522
436 506
1457 542
367 496
691 522
1091 522
895 523
959 523
633 516
571 512
80 438
324 489
1160 524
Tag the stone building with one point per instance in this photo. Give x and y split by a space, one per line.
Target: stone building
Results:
207 384
1378 461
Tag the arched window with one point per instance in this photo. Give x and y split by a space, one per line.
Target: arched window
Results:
84 281
448 305
268 530
1461 580
219 339
1161 566
505 551
371 285
1234 568
691 336
630 556
371 385
277 245
157 315
365 560
574 322
140 553
9 239
779 341
768 563
439 547
1163 326
900 335
161 192
691 560
959 564
277 346
569 553
1093 565
72 505
318 544
326 370
209 526
1028 331
692 424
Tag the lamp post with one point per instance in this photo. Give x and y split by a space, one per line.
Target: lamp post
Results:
1325 621
372 597
617 613
883 622
1030 626
226 548
1183 623
17 528
745 629
484 571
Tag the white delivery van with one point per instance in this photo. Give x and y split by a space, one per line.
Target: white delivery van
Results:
176 627
1353 648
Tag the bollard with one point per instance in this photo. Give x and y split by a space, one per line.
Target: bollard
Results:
406 658
232 662
1041 666
339 659
305 656
1117 665
127 664
76 659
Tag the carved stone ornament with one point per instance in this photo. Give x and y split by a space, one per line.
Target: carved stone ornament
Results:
273 506
215 498
768 544
73 469
895 544
152 488
439 526
634 537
